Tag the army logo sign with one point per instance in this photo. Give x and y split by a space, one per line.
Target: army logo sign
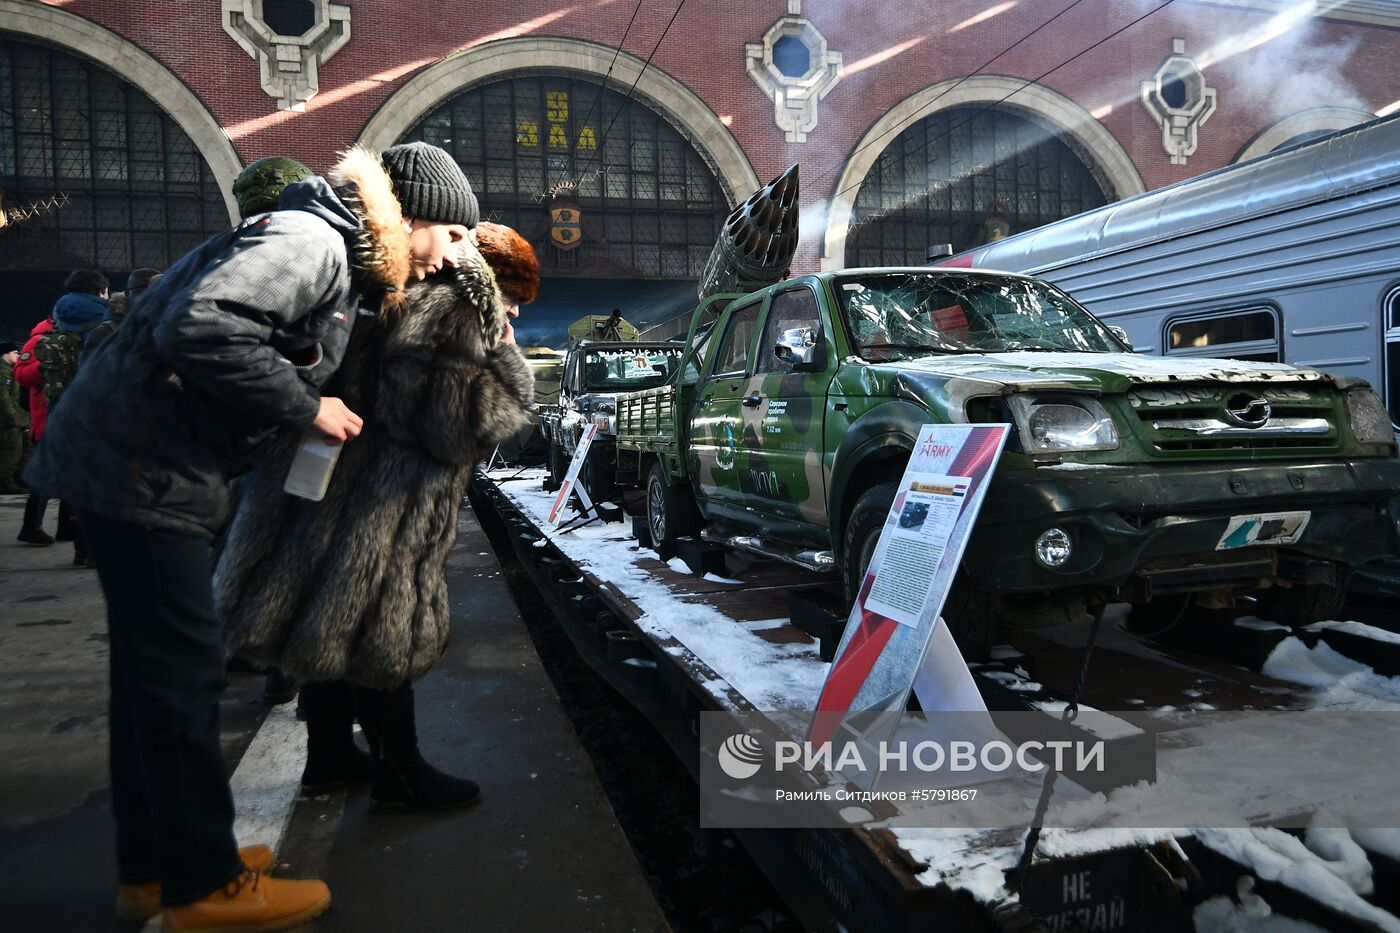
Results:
565 227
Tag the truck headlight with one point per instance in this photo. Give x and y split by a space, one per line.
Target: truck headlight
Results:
1370 422
1051 425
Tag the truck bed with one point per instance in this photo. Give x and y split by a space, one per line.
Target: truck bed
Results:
646 421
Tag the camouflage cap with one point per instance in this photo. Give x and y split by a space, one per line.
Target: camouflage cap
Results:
258 186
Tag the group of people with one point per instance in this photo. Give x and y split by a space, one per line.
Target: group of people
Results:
368 308
35 377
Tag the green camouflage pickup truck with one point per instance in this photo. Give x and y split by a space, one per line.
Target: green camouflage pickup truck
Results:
1161 482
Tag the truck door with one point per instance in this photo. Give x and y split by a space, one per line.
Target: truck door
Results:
716 430
783 433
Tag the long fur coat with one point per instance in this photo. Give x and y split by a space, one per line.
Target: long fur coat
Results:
353 587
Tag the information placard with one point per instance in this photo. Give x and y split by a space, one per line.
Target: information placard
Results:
894 635
556 511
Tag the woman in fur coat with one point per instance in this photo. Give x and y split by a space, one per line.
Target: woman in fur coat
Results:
349 593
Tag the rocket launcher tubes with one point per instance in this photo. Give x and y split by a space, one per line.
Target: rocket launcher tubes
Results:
756 245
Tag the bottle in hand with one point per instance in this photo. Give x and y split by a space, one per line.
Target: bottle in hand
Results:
312 467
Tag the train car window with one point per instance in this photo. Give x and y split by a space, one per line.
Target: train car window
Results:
1244 334
1392 354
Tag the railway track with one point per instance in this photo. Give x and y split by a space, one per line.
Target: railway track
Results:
676 638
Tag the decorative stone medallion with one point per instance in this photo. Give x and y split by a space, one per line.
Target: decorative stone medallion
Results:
288 64
794 67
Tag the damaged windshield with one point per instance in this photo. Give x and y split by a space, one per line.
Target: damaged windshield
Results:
625 370
903 314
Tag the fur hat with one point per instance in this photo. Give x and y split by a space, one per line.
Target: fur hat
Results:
512 259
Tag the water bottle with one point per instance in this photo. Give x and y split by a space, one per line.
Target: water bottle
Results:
312 466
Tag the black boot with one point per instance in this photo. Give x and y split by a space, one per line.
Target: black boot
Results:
32 526
67 529
333 760
402 778
279 688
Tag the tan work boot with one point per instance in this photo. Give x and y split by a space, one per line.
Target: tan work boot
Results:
142 901
251 902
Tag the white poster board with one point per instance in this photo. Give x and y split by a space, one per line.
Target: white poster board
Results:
895 640
556 511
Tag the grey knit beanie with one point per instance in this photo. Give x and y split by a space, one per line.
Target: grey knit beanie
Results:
430 185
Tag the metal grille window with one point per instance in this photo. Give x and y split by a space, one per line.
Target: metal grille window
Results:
137 192
1391 320
1249 334
965 177
644 202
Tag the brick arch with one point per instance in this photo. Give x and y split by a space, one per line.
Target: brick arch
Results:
1315 119
663 93
1106 156
132 64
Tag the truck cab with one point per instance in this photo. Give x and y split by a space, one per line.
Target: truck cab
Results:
593 374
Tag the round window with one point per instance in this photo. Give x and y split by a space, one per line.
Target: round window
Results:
791 56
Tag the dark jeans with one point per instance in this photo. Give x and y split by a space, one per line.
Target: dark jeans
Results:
170 790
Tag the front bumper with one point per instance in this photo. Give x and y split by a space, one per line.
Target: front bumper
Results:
1134 523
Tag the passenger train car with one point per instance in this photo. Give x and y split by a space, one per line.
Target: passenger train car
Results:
1293 256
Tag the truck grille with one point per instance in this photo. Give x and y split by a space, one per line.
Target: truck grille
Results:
1240 418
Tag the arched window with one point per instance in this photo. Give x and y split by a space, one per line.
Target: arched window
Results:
965 176
601 186
119 184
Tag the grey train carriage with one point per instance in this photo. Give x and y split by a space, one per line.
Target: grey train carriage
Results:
1293 256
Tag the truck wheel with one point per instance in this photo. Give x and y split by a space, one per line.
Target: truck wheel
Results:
598 481
557 464
970 614
671 511
1303 604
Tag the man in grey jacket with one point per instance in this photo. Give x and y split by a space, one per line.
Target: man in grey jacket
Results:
227 348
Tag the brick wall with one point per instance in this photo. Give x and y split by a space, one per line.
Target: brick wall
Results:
891 50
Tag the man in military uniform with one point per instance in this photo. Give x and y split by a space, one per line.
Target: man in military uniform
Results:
14 421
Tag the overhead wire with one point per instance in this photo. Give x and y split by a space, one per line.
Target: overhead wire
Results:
617 52
922 111
983 109
602 140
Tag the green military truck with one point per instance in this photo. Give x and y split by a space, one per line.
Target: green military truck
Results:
1165 483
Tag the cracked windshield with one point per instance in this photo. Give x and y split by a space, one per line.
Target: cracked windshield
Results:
624 370
900 315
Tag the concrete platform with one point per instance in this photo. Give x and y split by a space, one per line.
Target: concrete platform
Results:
543 849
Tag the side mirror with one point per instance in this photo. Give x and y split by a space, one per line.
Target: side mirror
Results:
798 348
1121 334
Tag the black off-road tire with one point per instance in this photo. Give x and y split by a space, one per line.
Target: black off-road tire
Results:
970 614
670 510
1303 604
598 481
558 466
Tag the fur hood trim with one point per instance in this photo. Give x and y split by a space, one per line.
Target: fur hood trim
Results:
381 250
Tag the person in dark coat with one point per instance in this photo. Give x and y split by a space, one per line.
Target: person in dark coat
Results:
350 593
231 346
136 284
